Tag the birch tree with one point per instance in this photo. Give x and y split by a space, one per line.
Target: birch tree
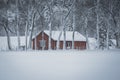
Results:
5 26
4 22
26 30
73 35
70 10
108 26
86 32
108 31
36 11
113 11
97 24
50 6
31 30
17 24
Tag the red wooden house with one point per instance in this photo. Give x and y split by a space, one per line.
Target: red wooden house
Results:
41 40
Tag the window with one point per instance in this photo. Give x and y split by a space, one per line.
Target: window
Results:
42 43
68 45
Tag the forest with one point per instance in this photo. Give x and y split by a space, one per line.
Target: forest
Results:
99 19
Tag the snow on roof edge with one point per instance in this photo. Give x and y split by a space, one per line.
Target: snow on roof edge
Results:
55 35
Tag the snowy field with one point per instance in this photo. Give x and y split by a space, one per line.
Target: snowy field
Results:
60 65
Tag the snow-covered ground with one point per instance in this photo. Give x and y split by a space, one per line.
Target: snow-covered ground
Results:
60 65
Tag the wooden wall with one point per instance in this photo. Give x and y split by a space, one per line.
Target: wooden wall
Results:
77 44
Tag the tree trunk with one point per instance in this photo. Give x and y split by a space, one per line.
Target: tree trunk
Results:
26 32
8 38
31 31
73 31
86 32
58 41
119 40
50 24
50 34
107 41
73 39
64 42
35 43
17 24
117 35
97 25
108 30
18 36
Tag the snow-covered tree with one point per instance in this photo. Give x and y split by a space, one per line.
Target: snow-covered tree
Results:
17 23
97 24
4 21
27 17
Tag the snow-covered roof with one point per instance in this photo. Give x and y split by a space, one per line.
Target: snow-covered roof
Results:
13 42
113 41
77 35
92 40
92 43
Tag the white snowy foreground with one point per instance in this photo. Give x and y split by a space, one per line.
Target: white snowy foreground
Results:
60 65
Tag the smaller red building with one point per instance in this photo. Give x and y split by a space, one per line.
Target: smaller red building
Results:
41 40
